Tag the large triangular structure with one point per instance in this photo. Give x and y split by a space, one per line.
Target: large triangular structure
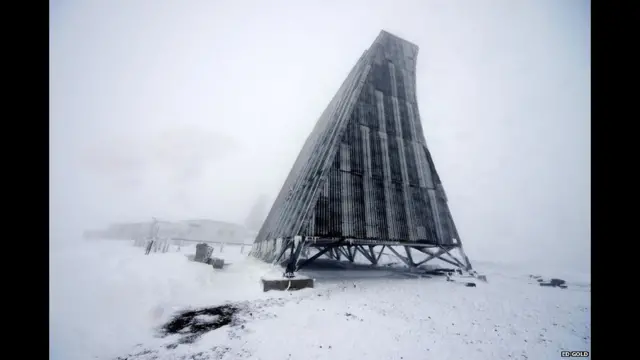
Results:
365 177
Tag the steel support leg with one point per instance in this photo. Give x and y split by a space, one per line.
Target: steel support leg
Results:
380 254
460 264
320 253
343 251
407 249
366 254
437 254
296 249
404 259
351 252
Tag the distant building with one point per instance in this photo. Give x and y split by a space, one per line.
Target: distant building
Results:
196 230
212 230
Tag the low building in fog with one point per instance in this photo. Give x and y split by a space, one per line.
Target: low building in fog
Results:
212 230
194 230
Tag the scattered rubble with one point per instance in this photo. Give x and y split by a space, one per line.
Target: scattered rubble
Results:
554 282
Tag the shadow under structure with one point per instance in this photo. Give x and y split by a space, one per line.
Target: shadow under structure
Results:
365 180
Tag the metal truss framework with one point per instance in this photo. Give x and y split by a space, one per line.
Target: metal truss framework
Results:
335 249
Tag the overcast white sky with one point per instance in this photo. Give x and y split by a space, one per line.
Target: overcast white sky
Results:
193 109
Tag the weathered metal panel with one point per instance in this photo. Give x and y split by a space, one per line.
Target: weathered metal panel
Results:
360 223
405 123
435 213
347 203
435 179
403 161
412 167
409 213
419 155
322 213
396 117
389 117
367 191
366 152
377 157
386 168
425 168
429 219
304 194
357 157
392 229
394 159
371 115
371 230
331 154
400 86
418 206
380 209
343 161
443 218
382 122
310 229
335 203
392 76
398 214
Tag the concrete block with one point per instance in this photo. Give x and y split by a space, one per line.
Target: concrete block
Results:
283 284
203 253
216 263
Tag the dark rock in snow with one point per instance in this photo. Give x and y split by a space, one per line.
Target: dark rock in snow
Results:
554 283
470 284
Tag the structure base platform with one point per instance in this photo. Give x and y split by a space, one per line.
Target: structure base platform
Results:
284 284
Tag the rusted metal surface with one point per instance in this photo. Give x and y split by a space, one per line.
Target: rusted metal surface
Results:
365 172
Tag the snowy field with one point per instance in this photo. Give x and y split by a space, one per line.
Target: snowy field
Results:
108 301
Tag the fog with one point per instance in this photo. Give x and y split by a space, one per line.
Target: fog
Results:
194 109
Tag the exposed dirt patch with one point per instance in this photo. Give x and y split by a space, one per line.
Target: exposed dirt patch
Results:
192 324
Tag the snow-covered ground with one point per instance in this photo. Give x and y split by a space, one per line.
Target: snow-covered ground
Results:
108 300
